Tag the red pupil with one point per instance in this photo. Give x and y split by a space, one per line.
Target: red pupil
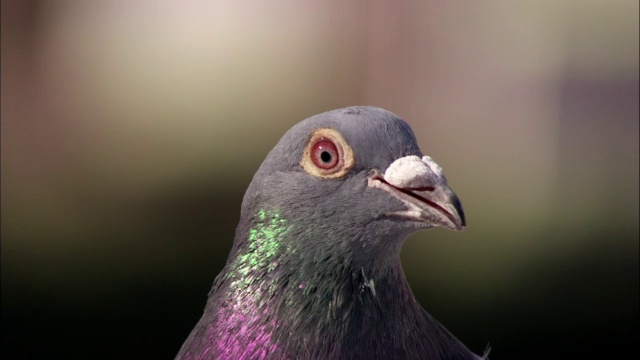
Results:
325 154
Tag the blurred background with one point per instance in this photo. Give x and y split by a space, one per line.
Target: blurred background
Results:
130 130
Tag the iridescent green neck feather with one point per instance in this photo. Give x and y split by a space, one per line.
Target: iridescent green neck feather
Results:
263 243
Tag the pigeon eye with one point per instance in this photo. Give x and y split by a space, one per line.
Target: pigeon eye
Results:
327 155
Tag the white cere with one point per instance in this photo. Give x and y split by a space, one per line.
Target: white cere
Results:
413 172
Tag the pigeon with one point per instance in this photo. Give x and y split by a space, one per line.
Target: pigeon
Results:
314 271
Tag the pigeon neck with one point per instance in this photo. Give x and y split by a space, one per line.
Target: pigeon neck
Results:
275 299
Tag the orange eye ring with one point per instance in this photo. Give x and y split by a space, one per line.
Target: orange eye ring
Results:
327 155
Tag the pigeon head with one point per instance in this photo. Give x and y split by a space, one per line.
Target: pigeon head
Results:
353 180
314 272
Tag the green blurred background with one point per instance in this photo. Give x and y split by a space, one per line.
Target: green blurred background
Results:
130 130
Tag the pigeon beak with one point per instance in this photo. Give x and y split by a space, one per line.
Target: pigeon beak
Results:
421 185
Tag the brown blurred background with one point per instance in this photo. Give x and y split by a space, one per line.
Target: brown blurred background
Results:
130 130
